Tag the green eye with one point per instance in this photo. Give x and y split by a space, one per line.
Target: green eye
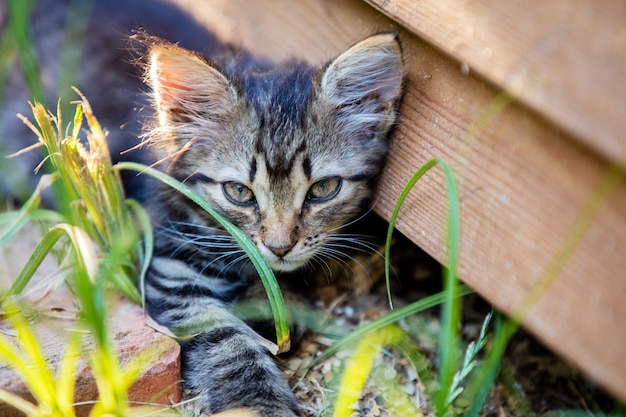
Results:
238 193
324 190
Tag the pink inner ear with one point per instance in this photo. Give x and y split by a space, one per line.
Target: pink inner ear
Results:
169 78
171 97
168 82
168 96
170 87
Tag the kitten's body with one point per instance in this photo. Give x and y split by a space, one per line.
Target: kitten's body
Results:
289 154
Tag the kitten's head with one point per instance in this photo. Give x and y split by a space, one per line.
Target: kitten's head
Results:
288 154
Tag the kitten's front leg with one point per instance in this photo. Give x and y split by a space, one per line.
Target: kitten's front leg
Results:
230 369
225 362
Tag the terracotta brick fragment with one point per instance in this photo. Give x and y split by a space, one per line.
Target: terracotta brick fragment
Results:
160 382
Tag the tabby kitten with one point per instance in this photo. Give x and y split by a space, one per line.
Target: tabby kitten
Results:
289 154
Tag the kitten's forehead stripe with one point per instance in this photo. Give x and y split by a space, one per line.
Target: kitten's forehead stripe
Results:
280 165
252 174
279 168
306 167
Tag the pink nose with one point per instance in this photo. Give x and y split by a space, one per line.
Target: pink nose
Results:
280 251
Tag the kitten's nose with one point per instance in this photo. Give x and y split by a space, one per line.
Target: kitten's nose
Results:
280 251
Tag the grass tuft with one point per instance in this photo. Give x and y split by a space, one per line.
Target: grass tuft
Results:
370 338
103 252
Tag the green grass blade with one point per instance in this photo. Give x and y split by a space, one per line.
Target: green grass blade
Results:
480 385
145 226
449 337
11 356
25 212
86 256
42 249
119 269
31 364
387 319
394 215
47 134
359 366
90 291
265 272
37 215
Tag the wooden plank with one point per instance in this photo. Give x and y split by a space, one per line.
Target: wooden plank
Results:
523 182
565 59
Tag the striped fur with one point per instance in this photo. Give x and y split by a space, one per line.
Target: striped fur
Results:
289 153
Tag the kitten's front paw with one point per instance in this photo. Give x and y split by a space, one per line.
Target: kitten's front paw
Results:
233 373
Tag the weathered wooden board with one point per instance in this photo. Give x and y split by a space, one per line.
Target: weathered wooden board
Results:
565 59
524 183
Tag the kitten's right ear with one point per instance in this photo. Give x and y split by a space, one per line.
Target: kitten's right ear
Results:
186 88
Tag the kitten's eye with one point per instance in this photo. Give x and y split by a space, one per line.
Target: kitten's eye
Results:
238 193
324 190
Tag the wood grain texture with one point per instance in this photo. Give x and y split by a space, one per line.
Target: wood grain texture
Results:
565 59
523 182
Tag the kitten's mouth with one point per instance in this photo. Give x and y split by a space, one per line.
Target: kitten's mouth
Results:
294 259
285 265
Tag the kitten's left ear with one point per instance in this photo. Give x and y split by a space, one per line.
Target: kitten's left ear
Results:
365 84
188 92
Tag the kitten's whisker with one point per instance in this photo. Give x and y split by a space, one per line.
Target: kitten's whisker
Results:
206 244
215 231
223 256
337 256
320 261
350 223
214 245
207 249
181 235
353 244
244 265
177 229
233 262
360 246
